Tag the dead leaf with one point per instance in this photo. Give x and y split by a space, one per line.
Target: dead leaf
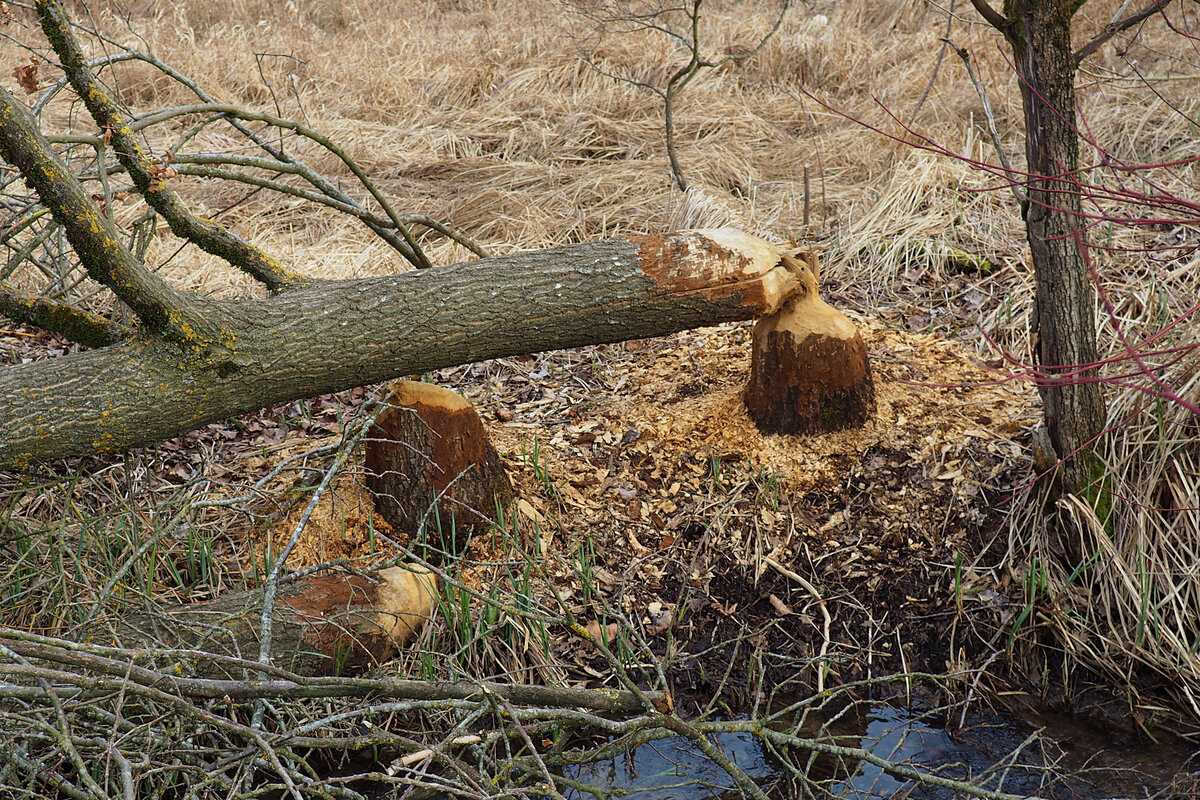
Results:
781 608
659 617
530 513
610 631
633 509
27 75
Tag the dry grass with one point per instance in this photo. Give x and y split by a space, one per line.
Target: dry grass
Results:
481 114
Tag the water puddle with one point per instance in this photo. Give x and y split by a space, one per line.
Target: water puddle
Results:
1001 752
673 768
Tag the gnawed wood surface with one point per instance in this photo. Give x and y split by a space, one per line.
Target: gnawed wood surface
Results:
331 624
327 336
809 371
431 467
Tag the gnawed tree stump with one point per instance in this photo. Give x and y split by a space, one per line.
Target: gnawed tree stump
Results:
809 371
432 469
332 624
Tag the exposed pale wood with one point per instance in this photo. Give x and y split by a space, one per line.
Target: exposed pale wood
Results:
331 624
329 336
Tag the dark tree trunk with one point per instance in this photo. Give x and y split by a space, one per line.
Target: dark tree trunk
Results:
1040 34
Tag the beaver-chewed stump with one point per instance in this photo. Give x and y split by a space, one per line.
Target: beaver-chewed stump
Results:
432 469
809 371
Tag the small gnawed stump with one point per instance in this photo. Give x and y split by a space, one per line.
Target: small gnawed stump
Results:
809 371
432 469
332 624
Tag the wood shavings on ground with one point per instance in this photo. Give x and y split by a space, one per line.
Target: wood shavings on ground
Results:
699 527
643 452
343 525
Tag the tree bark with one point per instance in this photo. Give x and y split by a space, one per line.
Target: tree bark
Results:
809 371
327 336
1039 32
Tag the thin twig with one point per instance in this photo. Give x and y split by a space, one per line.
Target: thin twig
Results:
828 620
1118 26
1015 181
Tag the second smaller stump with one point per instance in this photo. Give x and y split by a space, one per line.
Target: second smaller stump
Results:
432 469
809 371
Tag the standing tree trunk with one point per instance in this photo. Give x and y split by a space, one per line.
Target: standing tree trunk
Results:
1039 32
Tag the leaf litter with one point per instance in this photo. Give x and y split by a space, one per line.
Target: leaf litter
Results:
642 453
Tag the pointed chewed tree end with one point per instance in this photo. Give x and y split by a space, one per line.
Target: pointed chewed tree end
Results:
809 371
434 472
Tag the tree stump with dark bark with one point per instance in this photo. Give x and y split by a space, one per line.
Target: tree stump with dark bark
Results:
809 371
333 624
432 469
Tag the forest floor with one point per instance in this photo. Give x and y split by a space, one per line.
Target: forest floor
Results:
854 552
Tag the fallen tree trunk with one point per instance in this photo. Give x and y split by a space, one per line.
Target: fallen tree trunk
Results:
332 624
328 336
85 671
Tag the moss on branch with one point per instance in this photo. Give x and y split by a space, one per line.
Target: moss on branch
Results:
163 309
81 327
147 176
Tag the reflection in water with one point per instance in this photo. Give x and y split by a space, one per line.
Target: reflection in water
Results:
673 769
904 737
1067 760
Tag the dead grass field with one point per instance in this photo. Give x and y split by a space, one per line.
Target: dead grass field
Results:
483 115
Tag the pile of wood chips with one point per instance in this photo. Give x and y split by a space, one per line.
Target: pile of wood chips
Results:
644 450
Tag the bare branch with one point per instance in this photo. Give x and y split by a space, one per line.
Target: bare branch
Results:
936 67
414 252
993 17
391 236
1014 181
148 177
1117 26
117 662
630 17
783 9
160 306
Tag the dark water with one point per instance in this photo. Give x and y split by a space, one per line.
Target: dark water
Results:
1066 760
674 768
